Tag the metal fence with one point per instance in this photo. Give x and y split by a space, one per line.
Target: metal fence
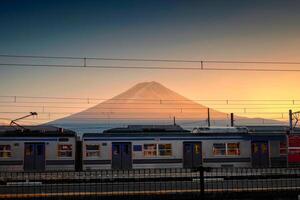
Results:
197 183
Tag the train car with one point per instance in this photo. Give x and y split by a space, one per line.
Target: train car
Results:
294 148
134 147
42 149
269 150
141 147
269 146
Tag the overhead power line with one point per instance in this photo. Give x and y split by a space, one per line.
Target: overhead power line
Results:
99 108
211 104
15 97
242 105
127 121
119 113
150 60
150 67
146 118
201 64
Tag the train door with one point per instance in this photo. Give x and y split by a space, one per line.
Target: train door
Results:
34 157
260 154
192 154
121 155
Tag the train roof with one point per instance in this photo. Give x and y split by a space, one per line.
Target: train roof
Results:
181 136
267 128
35 131
272 129
147 129
176 130
154 134
220 130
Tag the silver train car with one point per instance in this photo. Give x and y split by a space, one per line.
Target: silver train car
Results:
45 149
139 147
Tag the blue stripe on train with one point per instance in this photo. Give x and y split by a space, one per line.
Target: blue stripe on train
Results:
169 138
156 161
60 162
11 162
162 161
48 162
96 162
28 139
221 160
136 161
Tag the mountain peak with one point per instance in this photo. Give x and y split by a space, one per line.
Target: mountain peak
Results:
152 84
148 85
150 90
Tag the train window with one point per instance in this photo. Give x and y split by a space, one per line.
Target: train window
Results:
188 148
150 150
165 149
116 150
92 150
5 151
254 148
64 150
127 149
40 150
219 149
197 148
137 147
226 149
282 148
29 150
233 149
264 148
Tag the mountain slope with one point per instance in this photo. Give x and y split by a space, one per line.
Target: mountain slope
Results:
145 103
147 100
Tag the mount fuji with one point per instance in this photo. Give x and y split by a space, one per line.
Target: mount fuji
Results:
146 103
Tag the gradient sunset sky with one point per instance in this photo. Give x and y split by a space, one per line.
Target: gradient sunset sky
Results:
195 30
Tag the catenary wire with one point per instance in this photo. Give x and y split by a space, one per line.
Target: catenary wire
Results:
149 67
149 60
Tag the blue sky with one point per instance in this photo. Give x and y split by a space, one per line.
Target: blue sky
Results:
124 28
228 30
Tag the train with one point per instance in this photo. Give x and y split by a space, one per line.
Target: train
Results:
37 149
148 146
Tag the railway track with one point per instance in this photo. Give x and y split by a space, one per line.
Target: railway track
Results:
144 189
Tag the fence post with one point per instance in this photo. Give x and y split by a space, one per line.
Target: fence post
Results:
202 182
201 170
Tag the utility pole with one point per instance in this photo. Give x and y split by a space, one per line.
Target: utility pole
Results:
231 120
291 120
208 117
293 116
174 121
